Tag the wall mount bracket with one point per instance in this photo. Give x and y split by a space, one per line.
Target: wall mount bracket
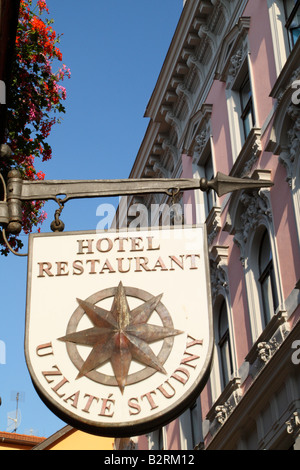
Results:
18 190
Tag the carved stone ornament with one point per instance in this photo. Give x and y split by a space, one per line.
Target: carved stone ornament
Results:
201 133
223 411
175 122
218 278
218 270
255 206
233 52
161 170
295 75
201 140
248 155
236 62
266 349
225 404
172 149
156 168
293 424
213 222
288 157
182 89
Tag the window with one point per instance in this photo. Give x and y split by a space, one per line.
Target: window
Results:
267 279
156 440
285 29
292 15
226 367
196 420
160 439
234 65
241 106
247 114
252 226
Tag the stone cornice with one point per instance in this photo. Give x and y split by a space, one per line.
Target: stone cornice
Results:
173 55
187 73
145 149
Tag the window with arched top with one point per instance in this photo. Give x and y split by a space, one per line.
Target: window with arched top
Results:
266 279
224 367
262 278
224 345
247 109
251 223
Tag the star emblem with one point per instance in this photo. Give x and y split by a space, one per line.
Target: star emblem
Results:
120 336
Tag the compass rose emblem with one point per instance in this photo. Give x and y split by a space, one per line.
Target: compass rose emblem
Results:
119 336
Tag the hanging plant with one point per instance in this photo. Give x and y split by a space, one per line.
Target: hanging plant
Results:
35 101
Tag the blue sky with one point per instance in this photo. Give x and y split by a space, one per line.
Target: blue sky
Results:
115 50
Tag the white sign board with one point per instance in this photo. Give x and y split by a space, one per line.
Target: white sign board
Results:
119 326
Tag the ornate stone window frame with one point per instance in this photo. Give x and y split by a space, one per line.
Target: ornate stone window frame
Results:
233 66
223 407
250 213
249 154
279 33
220 293
267 343
293 425
199 144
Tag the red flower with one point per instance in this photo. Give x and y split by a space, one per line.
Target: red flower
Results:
36 94
42 6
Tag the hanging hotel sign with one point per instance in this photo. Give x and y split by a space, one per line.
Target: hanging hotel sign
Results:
119 326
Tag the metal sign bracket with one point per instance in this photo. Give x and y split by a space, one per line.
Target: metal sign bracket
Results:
18 190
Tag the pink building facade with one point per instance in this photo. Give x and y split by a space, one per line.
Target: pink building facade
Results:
227 99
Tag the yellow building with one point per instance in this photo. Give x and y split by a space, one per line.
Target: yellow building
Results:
66 438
